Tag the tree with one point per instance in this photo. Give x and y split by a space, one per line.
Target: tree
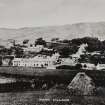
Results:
25 41
55 39
78 66
19 52
40 41
93 43
0 61
65 41
95 59
65 52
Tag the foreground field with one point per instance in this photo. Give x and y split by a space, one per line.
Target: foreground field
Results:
58 75
51 97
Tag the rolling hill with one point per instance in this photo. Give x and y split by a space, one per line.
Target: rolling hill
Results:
63 32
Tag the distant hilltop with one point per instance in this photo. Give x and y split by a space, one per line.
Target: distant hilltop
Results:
63 32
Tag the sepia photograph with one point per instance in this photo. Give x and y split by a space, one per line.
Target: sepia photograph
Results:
52 52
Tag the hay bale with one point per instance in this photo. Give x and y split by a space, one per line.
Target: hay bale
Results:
81 85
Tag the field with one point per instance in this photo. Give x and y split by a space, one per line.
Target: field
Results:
55 97
56 75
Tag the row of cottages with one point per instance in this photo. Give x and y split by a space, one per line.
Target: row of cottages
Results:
37 61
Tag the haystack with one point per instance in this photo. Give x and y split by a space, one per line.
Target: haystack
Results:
81 85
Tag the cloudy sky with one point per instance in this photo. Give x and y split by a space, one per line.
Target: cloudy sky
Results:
29 13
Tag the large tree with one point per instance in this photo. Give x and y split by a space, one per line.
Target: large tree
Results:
40 41
25 41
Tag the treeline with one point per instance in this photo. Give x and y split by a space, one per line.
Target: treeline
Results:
64 47
94 44
71 46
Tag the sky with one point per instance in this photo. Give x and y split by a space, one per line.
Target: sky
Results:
35 13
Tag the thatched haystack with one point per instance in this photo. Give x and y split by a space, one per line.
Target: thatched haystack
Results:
81 85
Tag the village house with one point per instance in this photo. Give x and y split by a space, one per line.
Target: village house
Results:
95 53
88 66
7 60
37 61
33 48
68 61
100 66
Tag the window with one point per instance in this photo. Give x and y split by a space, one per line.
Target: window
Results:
46 64
42 65
85 66
34 65
31 45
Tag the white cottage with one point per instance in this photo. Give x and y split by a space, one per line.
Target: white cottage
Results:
37 61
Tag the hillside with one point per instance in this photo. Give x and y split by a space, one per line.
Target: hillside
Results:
65 31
